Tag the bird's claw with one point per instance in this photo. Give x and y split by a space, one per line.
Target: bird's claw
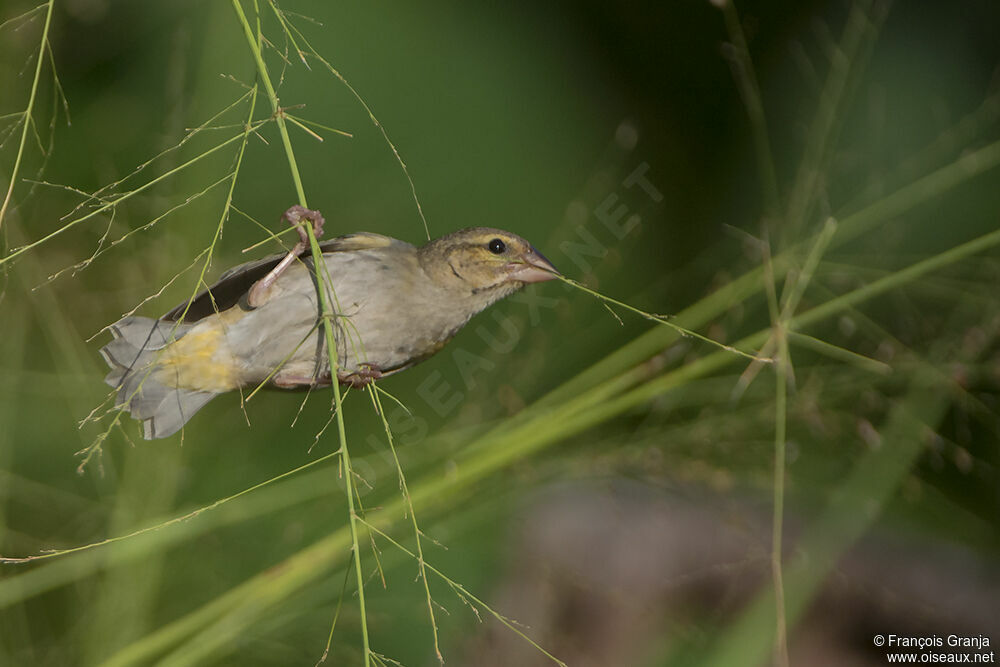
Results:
295 215
362 377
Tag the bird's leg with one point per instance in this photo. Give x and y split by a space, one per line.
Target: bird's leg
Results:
292 381
362 377
294 216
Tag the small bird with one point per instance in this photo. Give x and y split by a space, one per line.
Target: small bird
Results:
394 305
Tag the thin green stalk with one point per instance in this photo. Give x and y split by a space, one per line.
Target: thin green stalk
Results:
778 339
289 27
659 319
850 227
846 62
812 316
421 564
851 510
464 593
777 520
273 98
783 368
798 288
99 194
163 524
197 635
746 82
326 312
839 354
248 128
27 119
118 200
336 613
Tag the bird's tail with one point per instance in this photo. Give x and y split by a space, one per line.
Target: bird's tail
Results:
134 357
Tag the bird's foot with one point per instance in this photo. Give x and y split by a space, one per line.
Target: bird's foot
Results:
362 377
294 215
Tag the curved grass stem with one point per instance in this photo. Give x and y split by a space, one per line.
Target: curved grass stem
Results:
26 119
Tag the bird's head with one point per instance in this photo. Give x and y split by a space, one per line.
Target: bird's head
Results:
484 261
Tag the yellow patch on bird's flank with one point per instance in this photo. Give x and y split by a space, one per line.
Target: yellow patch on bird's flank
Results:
199 361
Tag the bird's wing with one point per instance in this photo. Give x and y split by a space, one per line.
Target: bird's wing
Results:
359 241
235 282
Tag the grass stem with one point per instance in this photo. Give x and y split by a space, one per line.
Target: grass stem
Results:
27 119
326 314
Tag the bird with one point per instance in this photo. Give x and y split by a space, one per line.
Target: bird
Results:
393 305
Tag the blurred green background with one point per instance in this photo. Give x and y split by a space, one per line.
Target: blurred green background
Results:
619 528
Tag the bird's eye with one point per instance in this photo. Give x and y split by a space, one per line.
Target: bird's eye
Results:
497 247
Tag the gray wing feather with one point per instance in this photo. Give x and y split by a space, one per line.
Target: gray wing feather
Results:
234 283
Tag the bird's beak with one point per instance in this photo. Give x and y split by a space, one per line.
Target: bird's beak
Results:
533 268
